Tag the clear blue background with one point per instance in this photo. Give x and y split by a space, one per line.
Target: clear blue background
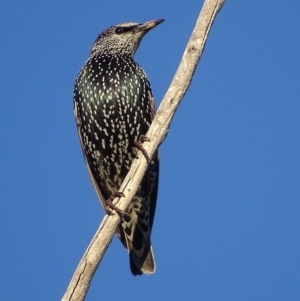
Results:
228 218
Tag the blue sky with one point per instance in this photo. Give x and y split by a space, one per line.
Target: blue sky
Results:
227 225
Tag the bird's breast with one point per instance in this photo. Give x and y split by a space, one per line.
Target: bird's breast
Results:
114 102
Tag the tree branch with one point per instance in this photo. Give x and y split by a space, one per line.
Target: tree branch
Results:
86 268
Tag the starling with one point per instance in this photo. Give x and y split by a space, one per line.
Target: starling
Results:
114 108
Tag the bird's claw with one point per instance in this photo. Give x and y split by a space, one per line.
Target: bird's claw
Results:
111 205
139 146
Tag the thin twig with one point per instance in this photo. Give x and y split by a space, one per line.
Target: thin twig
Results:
86 268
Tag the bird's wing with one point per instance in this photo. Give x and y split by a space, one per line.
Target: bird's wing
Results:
92 177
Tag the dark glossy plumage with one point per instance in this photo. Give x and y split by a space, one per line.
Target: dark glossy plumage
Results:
113 106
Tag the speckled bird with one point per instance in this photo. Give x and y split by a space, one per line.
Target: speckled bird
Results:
114 108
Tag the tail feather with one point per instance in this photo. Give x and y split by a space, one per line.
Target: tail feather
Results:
140 265
140 250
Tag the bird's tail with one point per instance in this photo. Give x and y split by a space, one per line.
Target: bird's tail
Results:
142 263
136 238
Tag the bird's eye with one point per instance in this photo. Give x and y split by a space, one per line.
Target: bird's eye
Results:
119 30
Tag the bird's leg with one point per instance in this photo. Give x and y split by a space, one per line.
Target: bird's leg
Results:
111 205
139 146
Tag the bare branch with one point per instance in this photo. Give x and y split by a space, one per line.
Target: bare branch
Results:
81 279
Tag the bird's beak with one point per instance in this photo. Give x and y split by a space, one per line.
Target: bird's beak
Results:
148 25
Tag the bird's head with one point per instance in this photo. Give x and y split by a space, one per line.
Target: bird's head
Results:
122 39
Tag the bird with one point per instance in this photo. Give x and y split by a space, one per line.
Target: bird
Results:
114 108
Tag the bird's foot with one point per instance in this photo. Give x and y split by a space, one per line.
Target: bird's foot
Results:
111 205
139 146
143 138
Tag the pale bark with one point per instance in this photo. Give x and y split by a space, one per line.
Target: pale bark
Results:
87 266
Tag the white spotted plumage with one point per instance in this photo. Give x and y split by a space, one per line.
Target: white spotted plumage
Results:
114 107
